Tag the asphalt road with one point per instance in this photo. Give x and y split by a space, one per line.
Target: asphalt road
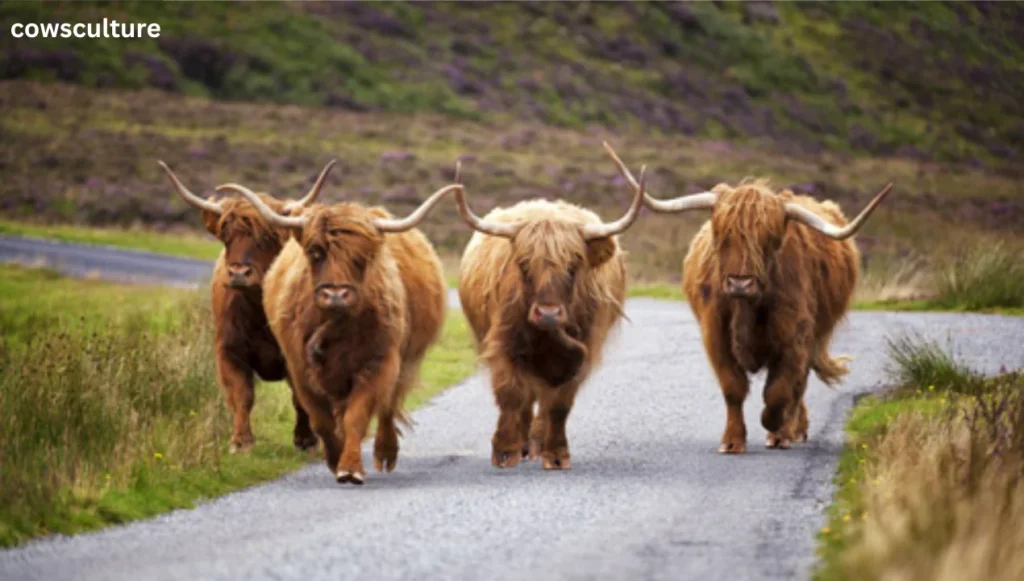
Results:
648 496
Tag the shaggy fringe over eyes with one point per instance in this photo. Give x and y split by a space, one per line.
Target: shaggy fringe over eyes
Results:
241 219
562 245
741 213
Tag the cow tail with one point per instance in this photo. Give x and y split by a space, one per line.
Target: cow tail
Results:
828 369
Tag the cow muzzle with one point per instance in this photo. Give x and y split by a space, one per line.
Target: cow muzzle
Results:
547 316
741 286
239 275
336 297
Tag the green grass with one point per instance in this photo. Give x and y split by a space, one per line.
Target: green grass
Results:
111 411
982 277
184 244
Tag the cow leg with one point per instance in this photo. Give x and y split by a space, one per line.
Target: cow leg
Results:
352 415
783 394
237 383
798 418
532 429
302 436
511 396
385 445
555 406
735 387
538 430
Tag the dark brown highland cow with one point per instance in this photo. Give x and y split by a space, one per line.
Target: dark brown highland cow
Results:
244 344
355 299
541 283
768 278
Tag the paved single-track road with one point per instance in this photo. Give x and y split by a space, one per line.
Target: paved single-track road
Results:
648 497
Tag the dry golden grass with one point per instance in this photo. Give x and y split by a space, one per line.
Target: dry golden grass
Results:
931 487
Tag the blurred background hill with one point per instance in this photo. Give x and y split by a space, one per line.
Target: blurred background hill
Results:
831 98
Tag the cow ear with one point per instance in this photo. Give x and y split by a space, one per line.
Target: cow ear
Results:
599 250
212 223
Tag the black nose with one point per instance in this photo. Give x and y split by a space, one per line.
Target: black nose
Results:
740 284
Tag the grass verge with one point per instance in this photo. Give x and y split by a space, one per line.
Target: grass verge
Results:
111 411
931 485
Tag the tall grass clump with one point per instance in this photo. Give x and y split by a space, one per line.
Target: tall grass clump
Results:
91 408
982 277
917 361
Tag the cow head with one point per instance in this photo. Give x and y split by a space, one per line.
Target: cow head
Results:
250 242
554 259
748 224
342 244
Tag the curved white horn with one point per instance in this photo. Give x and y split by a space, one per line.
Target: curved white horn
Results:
701 201
829 229
188 196
266 211
314 192
475 222
413 220
592 231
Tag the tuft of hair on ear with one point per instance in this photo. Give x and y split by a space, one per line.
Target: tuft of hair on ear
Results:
600 250
212 222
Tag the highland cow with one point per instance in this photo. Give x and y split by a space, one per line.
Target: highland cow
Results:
355 299
244 344
542 284
768 277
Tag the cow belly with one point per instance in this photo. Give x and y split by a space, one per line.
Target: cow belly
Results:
267 361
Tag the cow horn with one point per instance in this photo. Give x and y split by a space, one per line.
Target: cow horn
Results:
413 220
192 199
266 211
502 229
314 192
593 231
829 229
701 201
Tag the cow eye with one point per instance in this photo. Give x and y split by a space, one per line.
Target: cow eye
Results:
341 231
316 254
573 269
360 264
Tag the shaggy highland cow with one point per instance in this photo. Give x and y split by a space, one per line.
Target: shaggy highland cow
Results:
541 283
355 299
768 277
244 343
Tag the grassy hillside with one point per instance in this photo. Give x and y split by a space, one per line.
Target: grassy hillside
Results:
88 157
936 80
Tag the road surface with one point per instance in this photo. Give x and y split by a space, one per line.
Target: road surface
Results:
648 496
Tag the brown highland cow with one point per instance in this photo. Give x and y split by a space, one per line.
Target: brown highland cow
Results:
244 343
541 283
355 299
768 278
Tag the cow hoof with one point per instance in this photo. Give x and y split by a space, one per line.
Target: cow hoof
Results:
236 447
385 464
732 448
534 451
346 477
775 441
305 443
551 462
505 459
